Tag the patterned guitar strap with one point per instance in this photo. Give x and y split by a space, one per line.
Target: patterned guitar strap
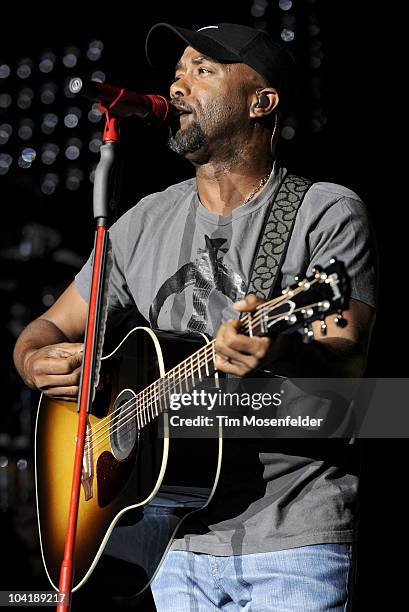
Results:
275 235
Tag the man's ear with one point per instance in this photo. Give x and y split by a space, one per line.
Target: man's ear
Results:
264 101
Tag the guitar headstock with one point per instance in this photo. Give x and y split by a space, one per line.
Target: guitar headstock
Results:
313 298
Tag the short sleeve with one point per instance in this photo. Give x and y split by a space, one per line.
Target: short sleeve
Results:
120 298
345 232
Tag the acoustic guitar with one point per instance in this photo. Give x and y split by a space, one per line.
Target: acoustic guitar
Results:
128 465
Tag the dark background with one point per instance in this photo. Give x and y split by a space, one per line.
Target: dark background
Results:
347 130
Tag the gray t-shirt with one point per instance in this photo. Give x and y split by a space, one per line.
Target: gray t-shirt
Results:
183 267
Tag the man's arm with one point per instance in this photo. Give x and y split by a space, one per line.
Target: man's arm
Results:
342 352
48 353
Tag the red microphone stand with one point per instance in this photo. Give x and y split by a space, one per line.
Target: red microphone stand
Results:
93 342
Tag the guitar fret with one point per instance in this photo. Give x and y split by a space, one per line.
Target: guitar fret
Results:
199 367
192 370
206 362
250 324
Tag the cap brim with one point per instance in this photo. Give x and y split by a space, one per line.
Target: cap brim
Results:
165 44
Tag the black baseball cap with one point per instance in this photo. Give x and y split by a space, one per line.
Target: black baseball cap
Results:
227 43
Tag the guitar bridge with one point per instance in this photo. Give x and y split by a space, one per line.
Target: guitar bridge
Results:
87 474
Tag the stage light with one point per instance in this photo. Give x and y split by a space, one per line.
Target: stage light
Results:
5 100
98 76
25 130
285 5
47 93
94 50
259 8
47 62
49 183
5 162
49 153
95 143
72 117
24 68
25 98
5 132
95 114
70 58
28 155
4 71
313 28
287 35
49 123
73 150
48 300
74 178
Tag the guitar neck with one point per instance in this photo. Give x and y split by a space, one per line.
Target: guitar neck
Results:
313 298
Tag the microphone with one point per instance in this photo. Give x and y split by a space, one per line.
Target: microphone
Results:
123 102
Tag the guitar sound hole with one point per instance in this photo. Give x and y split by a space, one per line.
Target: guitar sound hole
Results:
123 427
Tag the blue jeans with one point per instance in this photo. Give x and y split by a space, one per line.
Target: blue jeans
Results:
304 579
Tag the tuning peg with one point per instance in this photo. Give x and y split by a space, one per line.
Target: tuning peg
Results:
308 334
323 327
340 320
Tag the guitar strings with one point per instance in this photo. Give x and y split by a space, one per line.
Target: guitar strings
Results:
126 418
245 325
156 395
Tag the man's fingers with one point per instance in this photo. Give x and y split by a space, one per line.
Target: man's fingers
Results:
62 392
248 303
45 381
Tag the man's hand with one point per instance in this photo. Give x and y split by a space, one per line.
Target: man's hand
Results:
55 370
236 353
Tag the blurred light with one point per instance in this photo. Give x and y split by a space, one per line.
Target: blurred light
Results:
316 125
22 464
95 114
92 174
95 49
72 117
48 299
23 164
47 62
49 123
285 5
24 68
315 62
70 58
71 120
5 132
259 8
49 153
95 143
288 132
49 183
28 155
98 76
313 27
5 100
25 130
74 178
25 98
3 461
4 71
287 35
73 149
47 93
5 162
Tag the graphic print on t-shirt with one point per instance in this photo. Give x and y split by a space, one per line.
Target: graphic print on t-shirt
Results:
212 281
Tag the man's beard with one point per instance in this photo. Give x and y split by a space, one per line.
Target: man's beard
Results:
188 140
